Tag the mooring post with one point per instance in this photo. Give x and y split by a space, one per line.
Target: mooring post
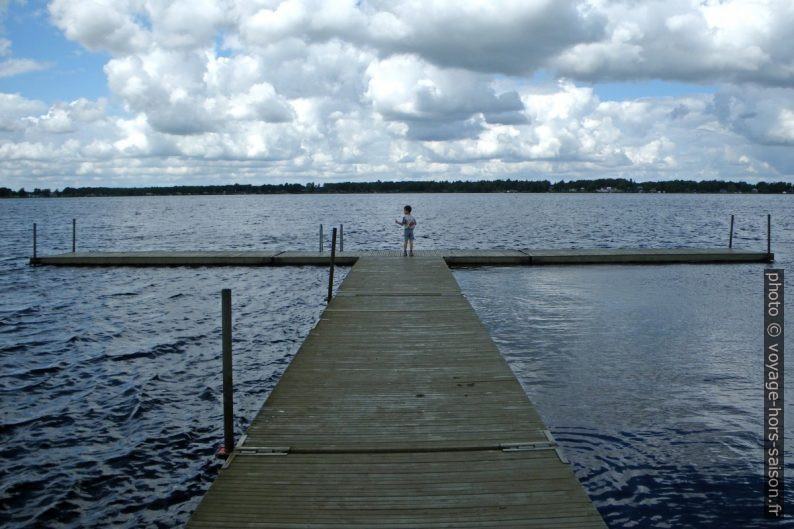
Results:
34 240
331 271
730 239
341 238
74 235
228 393
769 234
321 238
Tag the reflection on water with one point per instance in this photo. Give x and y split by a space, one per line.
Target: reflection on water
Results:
650 378
110 382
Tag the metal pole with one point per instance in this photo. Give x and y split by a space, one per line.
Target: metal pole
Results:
74 235
341 238
769 234
34 240
730 240
321 238
228 393
331 272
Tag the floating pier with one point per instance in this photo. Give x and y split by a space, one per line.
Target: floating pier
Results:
452 257
398 411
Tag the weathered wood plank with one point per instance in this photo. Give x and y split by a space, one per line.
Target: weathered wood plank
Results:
394 411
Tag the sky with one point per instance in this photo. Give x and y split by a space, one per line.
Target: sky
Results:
155 92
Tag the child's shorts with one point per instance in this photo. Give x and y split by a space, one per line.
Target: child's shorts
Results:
409 234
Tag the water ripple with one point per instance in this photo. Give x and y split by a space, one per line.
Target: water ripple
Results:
110 378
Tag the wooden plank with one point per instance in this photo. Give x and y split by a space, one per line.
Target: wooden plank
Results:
394 411
160 258
646 256
384 490
313 259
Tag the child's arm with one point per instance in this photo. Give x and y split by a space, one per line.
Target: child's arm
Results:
400 222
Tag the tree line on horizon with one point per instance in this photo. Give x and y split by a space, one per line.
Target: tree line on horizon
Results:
603 185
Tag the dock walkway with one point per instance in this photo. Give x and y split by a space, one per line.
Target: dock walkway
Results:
460 257
398 411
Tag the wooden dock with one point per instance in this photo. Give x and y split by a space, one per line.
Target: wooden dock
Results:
398 411
452 257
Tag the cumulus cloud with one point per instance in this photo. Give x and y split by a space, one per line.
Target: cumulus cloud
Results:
698 41
188 24
102 24
587 39
762 115
512 37
726 40
217 90
14 109
67 117
186 92
437 104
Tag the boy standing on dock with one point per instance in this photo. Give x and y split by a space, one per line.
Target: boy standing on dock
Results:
408 222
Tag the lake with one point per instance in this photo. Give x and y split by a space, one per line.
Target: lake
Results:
648 376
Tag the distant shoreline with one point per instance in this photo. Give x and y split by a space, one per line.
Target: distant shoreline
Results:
603 185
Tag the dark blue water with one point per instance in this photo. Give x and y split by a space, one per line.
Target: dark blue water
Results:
649 376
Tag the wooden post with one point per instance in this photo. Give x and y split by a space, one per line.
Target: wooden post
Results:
321 238
74 235
730 239
769 234
34 240
331 271
341 238
228 393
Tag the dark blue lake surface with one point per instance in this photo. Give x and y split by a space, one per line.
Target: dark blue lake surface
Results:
649 376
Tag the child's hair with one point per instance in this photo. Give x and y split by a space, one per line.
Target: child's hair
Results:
407 208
